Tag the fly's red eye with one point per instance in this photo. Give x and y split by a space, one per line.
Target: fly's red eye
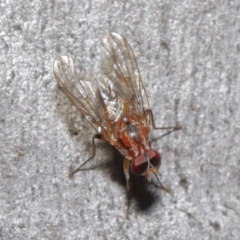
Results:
139 165
154 158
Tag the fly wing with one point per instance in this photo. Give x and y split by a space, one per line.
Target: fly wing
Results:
120 68
83 94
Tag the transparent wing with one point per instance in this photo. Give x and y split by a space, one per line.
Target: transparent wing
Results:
83 94
120 68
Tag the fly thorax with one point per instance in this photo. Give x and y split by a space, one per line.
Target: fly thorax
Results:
133 132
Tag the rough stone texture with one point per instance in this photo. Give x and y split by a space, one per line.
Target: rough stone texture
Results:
189 57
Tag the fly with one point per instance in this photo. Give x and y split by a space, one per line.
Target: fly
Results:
115 105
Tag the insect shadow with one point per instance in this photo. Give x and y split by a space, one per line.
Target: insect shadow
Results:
141 191
142 195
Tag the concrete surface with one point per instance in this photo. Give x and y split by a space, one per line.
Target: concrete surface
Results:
189 57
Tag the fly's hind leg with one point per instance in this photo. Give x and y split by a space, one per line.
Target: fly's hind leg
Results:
126 167
150 114
73 171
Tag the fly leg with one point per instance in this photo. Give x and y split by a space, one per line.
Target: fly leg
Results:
166 189
95 136
171 129
126 167
126 164
150 113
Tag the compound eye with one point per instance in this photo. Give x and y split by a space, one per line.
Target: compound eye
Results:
154 158
139 165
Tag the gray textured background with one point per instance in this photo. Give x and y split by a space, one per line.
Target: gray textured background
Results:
189 57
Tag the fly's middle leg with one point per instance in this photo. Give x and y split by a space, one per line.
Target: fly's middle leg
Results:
95 136
151 117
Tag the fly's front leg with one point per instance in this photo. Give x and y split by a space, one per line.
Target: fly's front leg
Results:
126 167
95 136
150 114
